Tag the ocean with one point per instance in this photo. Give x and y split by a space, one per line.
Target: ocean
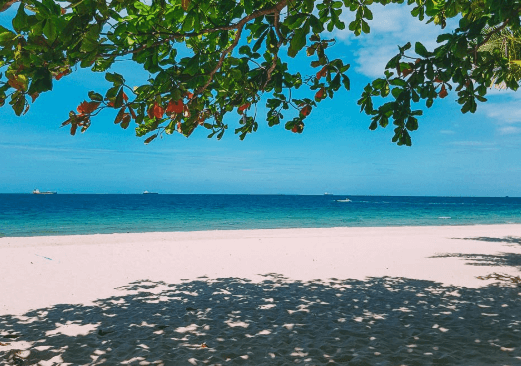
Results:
71 214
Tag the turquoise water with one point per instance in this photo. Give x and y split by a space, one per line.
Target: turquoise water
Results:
64 214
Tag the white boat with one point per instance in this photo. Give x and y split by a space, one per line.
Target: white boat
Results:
346 200
328 194
37 191
147 192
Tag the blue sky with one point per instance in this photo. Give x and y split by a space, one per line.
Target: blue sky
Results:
452 154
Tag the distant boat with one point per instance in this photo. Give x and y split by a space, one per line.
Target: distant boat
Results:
346 200
328 194
147 192
37 191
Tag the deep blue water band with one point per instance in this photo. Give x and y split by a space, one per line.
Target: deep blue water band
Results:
64 214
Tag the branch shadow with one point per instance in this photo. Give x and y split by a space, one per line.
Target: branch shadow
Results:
506 239
501 260
380 321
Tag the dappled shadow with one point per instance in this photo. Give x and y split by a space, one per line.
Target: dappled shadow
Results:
500 259
381 321
506 239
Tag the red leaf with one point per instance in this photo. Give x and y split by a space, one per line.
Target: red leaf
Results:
175 107
132 113
125 98
34 96
87 107
298 128
243 107
305 111
62 74
406 72
320 94
16 84
322 72
443 92
149 139
155 111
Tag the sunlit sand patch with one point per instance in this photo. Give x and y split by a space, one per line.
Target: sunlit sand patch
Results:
56 360
72 329
233 324
192 328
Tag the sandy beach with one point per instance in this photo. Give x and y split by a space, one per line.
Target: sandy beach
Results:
350 296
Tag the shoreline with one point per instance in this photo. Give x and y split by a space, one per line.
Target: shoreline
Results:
260 230
379 295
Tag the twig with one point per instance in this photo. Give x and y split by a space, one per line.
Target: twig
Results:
239 25
8 4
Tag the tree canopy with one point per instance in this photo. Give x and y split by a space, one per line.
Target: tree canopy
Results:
208 58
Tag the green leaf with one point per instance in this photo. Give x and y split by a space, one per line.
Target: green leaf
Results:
412 124
42 81
365 27
421 50
308 6
295 21
298 41
95 96
316 25
18 105
188 24
461 48
114 78
118 102
49 29
20 20
6 35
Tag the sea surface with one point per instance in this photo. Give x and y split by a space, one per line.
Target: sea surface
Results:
69 214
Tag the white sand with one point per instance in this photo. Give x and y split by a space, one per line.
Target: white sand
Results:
63 290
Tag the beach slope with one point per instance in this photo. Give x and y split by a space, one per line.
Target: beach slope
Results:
395 295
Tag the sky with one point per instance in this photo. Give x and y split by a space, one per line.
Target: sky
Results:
452 154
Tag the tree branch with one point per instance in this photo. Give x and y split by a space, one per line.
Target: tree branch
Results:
489 35
276 56
7 5
239 25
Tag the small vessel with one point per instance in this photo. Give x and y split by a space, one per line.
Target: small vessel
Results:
345 200
147 192
328 194
37 191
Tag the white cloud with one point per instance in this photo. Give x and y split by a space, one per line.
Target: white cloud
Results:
509 130
392 25
503 113
471 143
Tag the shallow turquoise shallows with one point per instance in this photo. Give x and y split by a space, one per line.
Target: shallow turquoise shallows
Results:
66 214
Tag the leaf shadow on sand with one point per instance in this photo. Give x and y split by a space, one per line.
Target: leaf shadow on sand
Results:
380 321
501 259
